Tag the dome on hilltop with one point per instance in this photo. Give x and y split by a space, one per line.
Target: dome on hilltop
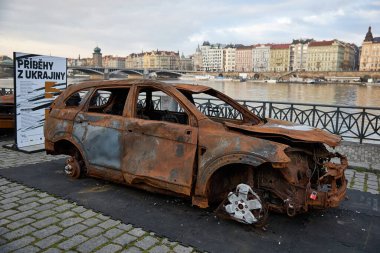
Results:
97 50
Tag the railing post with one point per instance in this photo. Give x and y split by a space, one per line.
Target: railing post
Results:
313 118
291 112
270 109
264 109
361 134
337 120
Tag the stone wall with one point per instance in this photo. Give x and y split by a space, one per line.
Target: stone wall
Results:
361 155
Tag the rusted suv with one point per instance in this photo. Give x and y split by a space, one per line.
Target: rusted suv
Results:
193 141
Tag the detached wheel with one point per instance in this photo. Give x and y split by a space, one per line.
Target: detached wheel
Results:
73 167
245 206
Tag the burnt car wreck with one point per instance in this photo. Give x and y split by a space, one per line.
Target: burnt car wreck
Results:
158 137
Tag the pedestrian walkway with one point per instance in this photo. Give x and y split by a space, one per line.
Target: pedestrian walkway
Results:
34 221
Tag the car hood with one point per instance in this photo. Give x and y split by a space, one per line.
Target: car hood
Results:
291 130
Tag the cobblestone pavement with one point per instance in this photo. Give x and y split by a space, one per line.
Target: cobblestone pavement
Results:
34 221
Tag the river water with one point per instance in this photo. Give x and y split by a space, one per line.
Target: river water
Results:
332 94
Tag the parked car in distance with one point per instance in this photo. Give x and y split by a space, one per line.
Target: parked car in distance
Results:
196 142
7 109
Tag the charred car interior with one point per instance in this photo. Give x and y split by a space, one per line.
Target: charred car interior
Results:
165 138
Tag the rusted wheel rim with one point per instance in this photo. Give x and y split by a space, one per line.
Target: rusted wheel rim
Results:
72 168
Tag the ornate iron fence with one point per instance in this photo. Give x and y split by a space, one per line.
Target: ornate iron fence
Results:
351 122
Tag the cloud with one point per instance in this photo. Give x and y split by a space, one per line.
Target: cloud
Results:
71 27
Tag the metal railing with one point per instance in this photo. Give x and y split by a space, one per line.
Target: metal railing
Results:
353 123
6 91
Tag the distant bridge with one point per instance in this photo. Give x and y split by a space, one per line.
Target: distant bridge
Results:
129 71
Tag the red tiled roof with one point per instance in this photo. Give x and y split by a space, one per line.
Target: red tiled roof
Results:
321 43
280 46
244 47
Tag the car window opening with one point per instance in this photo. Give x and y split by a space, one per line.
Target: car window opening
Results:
157 105
109 101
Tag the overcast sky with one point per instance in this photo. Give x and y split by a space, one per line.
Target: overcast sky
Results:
120 27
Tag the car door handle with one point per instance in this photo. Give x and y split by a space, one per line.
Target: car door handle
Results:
188 132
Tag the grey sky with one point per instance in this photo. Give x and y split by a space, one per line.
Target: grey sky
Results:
71 27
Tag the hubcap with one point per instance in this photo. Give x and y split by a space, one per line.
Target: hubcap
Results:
244 203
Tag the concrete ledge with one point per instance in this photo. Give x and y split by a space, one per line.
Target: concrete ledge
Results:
365 155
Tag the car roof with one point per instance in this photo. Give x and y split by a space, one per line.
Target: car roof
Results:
94 84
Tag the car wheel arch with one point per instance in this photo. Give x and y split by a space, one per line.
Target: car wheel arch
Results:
225 162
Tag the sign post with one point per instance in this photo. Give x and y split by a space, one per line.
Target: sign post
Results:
38 80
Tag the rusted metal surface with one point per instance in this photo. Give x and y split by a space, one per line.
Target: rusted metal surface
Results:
285 167
7 118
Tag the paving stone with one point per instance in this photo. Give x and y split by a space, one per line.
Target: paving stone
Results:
138 232
146 242
3 230
91 222
13 194
65 215
72 242
11 205
22 215
92 244
60 201
45 207
92 232
124 227
28 200
28 249
70 221
9 200
102 217
42 195
28 206
20 223
45 222
132 250
125 239
47 200
110 248
46 231
88 214
182 249
27 194
53 250
109 223
43 214
64 207
113 233
48 241
73 230
4 222
79 209
19 232
17 244
159 249
13 187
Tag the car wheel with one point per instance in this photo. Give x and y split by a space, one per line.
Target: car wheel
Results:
73 167
244 205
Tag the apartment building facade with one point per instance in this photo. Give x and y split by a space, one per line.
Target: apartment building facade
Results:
279 57
370 53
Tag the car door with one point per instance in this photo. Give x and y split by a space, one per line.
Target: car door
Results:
99 128
160 143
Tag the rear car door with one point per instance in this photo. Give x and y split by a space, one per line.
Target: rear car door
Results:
99 128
